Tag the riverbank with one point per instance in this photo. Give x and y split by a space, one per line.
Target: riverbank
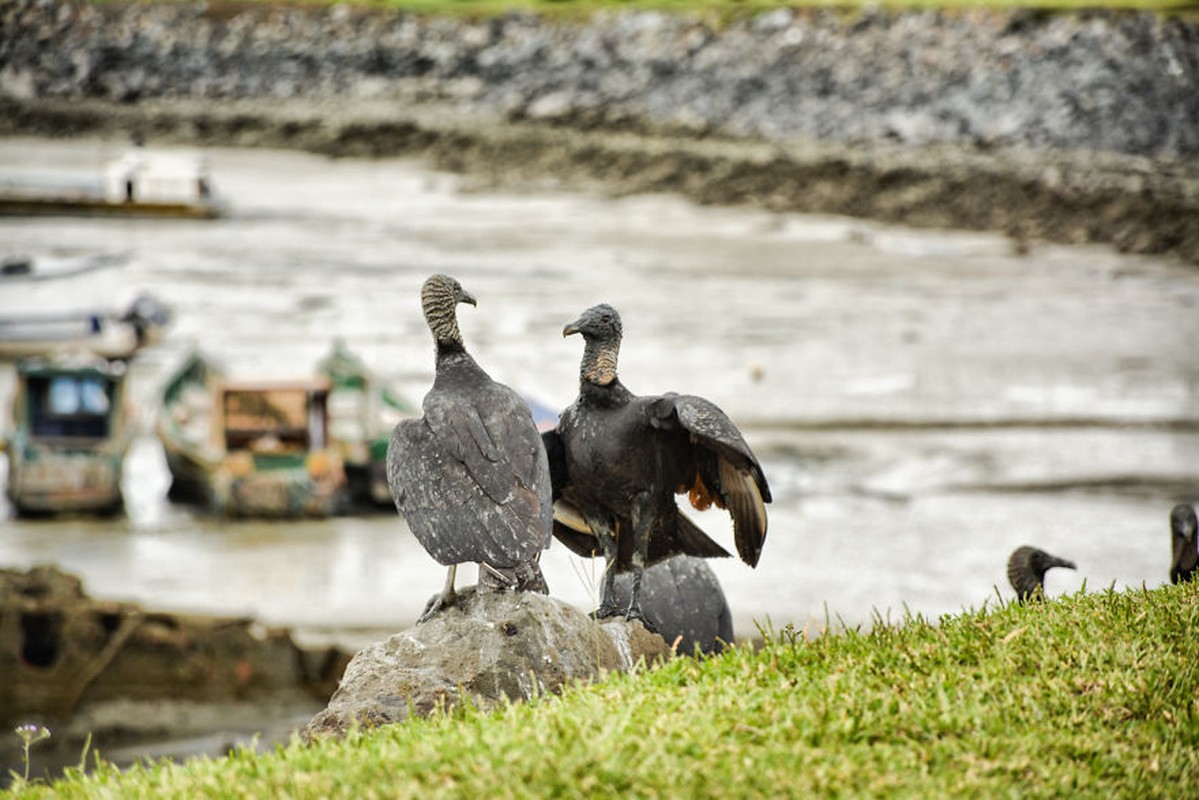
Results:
1069 128
1089 695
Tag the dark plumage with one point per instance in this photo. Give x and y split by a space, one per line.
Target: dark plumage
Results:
1182 531
1026 570
471 477
618 459
682 601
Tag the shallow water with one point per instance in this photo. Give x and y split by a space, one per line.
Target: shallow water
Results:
923 402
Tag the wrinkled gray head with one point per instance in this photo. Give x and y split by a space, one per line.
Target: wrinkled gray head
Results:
600 328
1183 526
601 323
439 298
1026 570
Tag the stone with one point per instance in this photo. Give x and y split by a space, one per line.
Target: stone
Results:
487 648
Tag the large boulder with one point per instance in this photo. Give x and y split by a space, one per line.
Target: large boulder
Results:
683 601
487 647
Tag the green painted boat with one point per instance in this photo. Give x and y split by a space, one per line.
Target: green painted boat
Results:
69 435
363 411
250 448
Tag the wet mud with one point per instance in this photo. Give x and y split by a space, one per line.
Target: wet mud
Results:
1133 203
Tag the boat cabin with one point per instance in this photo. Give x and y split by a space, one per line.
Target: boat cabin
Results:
273 418
69 435
140 177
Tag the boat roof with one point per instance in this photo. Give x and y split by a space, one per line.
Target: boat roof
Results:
271 384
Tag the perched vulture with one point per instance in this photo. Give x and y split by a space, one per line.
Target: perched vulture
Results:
1182 530
1026 570
682 601
618 459
471 477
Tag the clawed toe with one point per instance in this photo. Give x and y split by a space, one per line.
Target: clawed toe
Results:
435 604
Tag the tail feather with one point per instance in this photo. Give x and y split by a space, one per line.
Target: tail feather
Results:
748 510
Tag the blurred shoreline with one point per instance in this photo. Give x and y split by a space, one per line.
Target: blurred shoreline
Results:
1067 128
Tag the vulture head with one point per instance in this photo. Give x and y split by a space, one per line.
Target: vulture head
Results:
1183 524
439 298
600 327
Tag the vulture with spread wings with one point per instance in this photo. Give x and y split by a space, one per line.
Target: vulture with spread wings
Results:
618 459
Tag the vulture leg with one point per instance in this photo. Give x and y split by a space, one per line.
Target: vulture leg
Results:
442 600
608 545
643 518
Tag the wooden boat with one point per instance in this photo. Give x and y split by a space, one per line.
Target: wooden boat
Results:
69 435
363 411
50 302
250 448
140 183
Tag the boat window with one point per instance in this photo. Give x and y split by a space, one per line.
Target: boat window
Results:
70 406
266 420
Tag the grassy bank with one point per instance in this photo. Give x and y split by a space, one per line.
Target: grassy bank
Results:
1091 695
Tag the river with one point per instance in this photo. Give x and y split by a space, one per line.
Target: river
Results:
923 402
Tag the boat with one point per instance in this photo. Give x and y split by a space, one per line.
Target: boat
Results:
363 411
250 448
140 183
53 301
69 433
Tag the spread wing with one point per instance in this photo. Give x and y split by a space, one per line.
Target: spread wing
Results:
726 474
471 478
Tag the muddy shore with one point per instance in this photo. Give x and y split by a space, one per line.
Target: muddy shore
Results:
1066 128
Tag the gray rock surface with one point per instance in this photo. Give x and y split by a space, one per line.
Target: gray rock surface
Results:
684 602
488 647
1123 82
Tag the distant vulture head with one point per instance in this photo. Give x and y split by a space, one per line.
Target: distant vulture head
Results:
600 327
1183 525
439 298
1026 570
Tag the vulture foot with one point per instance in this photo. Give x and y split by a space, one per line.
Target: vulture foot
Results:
608 610
436 603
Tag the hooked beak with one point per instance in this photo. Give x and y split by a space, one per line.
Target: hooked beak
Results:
467 297
571 328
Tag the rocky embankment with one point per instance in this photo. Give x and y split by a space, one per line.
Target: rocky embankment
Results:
1079 127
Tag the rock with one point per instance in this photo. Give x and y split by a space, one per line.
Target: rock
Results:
684 602
488 647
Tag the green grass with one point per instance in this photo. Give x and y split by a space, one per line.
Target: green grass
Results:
1093 695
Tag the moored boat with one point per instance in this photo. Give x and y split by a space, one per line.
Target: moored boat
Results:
50 302
250 448
69 433
363 411
141 183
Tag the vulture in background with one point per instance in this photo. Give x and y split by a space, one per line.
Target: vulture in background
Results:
618 459
1026 570
1182 530
471 477
683 602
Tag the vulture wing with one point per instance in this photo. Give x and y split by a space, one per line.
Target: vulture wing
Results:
727 472
472 479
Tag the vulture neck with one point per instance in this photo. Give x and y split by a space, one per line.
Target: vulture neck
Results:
599 362
447 348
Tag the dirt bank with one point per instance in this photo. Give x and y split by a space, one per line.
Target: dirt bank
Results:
1135 203
1071 127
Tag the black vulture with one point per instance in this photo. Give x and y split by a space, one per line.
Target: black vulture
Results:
1182 530
618 459
471 476
682 600
1026 570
